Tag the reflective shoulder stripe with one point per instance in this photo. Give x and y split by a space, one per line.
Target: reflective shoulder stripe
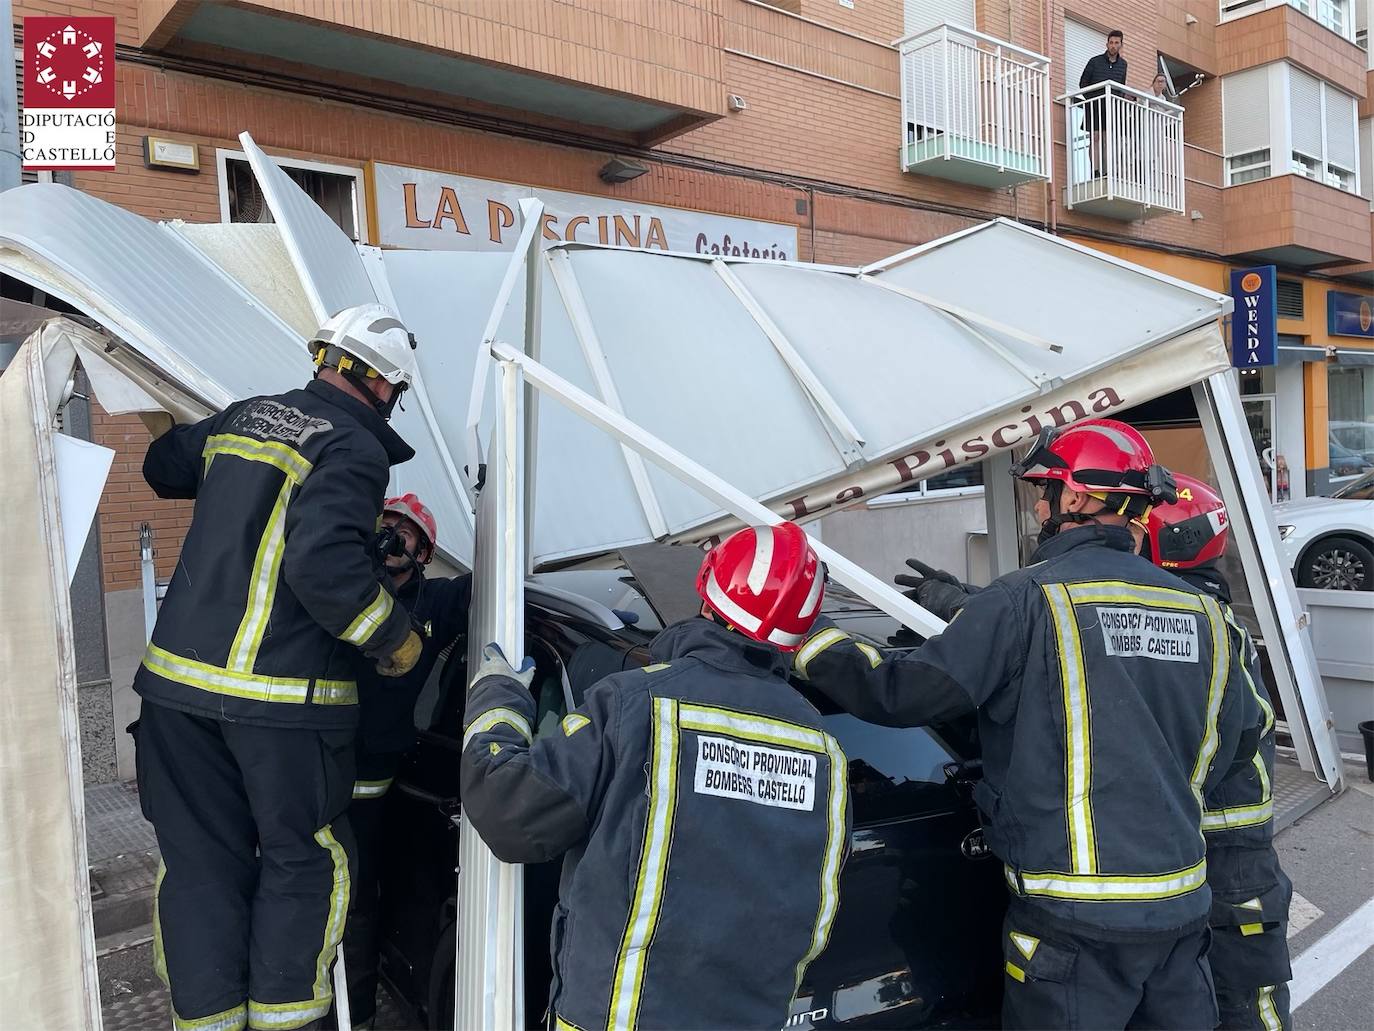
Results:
274 453
253 686
1077 730
836 807
371 788
495 717
750 727
573 722
1121 593
367 622
815 645
1109 887
628 979
229 1020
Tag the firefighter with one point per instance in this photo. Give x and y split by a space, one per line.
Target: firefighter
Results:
249 697
1108 704
438 608
1250 891
702 807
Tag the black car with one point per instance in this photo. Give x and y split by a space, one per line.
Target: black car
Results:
916 939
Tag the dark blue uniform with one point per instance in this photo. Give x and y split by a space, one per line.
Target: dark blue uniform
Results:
1108 706
1250 891
386 731
704 813
250 699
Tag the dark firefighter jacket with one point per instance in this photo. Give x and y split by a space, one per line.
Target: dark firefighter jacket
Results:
704 812
439 612
274 592
1108 705
1249 887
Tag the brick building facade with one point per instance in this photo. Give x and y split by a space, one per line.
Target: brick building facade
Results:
545 92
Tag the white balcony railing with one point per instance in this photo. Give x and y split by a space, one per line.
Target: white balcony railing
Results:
974 108
1125 152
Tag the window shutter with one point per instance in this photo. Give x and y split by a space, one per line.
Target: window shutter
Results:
1245 111
1305 111
1081 44
1340 128
926 14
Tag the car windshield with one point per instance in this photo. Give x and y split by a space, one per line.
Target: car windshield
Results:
1359 490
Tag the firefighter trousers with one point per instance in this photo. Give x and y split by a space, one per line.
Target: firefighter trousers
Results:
252 894
376 770
1250 965
1059 979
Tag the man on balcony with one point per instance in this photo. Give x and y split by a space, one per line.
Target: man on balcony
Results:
1109 66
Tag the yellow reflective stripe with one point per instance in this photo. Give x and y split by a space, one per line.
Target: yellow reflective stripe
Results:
494 717
1269 1014
751 727
1257 761
338 910
262 585
815 645
274 453
1221 672
1251 929
1118 591
560 1024
1247 649
573 722
1077 731
229 1020
282 1016
874 658
653 868
1238 816
834 851
254 686
654 667
367 622
371 788
1110 888
159 952
1016 972
1026 944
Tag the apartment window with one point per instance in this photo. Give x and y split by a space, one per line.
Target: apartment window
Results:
1246 168
1289 298
965 479
1324 131
337 189
920 15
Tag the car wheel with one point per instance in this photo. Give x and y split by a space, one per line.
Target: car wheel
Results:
1338 564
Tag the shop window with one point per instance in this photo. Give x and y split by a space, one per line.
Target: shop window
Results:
336 189
965 479
1350 400
1290 298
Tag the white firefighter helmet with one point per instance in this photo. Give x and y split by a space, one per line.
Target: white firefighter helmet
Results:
373 336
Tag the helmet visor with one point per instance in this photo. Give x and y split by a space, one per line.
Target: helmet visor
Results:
1039 460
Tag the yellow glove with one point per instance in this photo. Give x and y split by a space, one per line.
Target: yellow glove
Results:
403 659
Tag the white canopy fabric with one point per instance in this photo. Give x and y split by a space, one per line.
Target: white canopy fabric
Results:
807 387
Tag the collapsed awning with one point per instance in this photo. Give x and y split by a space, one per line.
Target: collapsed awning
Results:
808 387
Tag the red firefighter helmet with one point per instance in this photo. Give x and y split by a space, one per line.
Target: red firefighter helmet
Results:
766 582
1102 457
1192 531
409 506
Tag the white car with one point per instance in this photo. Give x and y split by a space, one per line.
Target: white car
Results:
1329 542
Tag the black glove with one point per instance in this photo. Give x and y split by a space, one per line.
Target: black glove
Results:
935 590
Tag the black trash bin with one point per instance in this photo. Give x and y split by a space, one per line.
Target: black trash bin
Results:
1367 732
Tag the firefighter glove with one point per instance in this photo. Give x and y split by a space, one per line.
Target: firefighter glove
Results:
403 659
935 590
495 664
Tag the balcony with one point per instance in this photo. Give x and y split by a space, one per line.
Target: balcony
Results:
1125 153
974 109
1296 221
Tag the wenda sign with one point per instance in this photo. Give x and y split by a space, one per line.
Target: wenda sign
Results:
1254 324
439 211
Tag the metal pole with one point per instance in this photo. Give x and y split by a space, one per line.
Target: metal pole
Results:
146 570
11 162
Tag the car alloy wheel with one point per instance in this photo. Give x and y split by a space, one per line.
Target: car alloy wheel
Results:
1339 569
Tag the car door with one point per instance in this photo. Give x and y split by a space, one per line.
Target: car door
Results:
915 942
